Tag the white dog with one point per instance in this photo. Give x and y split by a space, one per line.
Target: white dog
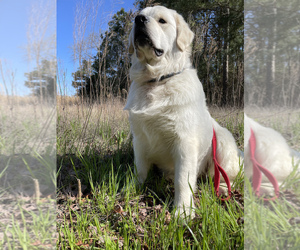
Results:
272 152
169 120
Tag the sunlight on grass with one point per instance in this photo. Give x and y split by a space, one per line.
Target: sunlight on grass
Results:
27 175
275 224
115 213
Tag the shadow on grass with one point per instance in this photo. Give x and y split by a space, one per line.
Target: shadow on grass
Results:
98 200
89 170
92 168
27 203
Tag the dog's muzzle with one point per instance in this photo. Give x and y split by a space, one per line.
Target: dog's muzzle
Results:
141 37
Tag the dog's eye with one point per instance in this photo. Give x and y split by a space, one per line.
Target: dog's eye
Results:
162 20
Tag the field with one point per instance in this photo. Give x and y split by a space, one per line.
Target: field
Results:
99 208
270 225
27 173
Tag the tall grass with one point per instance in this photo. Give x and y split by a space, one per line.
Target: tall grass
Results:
27 174
94 146
275 224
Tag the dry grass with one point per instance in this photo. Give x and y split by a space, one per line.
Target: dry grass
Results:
109 111
27 141
94 146
285 121
27 173
87 126
232 119
6 100
92 124
26 126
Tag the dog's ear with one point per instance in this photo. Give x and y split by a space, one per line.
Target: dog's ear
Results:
184 34
130 39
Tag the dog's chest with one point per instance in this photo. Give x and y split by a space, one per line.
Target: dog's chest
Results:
157 134
159 116
159 127
151 111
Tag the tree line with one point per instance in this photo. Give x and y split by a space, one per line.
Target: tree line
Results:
217 53
272 54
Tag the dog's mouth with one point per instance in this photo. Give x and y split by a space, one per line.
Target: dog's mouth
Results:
141 39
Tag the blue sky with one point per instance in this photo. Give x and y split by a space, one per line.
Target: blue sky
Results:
65 27
14 21
13 26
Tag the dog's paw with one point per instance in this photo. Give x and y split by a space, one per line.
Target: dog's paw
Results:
223 189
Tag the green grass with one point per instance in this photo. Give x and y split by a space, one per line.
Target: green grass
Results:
273 224
25 221
31 226
276 224
113 213
27 167
145 217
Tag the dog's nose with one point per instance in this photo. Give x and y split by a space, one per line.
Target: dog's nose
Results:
141 19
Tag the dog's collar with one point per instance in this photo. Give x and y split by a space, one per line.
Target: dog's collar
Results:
165 77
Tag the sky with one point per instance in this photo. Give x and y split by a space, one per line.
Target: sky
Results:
66 10
13 25
15 19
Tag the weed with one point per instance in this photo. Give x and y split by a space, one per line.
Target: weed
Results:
114 212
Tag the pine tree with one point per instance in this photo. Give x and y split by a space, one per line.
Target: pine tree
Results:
107 73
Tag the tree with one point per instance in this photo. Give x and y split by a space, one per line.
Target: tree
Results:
218 46
272 61
217 51
107 73
42 80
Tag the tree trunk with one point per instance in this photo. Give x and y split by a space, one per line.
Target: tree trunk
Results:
271 61
225 62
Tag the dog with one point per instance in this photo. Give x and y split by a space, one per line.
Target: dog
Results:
272 152
168 116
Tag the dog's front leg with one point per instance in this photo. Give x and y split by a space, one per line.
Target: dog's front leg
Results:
142 164
185 180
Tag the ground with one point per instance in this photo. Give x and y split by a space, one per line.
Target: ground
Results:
98 206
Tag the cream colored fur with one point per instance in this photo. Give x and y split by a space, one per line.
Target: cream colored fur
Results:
272 152
169 119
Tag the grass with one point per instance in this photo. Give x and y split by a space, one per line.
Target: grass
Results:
27 174
275 225
144 218
98 207
283 120
94 146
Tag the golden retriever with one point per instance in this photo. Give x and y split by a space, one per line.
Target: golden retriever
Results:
169 119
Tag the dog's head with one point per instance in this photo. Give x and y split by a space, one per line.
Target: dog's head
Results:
158 32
